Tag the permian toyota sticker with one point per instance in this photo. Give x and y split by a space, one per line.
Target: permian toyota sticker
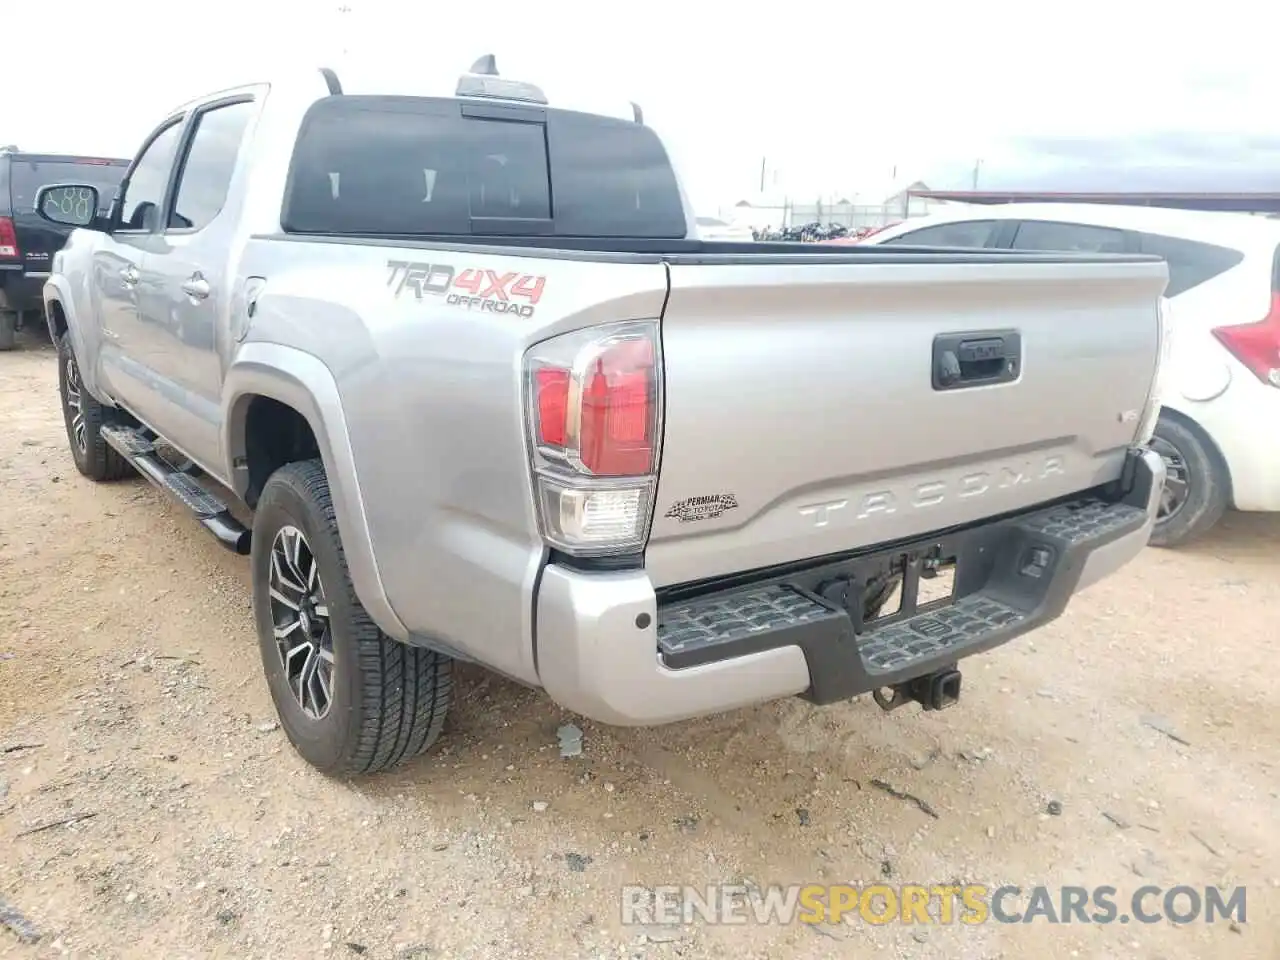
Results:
702 508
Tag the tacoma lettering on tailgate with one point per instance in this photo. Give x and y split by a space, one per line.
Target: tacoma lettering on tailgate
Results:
933 492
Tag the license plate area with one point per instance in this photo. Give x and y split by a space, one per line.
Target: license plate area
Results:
910 583
878 587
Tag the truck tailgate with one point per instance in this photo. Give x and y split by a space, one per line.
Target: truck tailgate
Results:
813 408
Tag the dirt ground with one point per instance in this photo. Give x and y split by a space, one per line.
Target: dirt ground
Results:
131 695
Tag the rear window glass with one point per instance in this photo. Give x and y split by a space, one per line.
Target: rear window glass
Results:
29 175
966 233
431 167
1191 263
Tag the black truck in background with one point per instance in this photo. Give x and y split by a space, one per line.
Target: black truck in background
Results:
27 240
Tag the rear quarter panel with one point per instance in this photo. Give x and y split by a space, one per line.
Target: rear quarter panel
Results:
432 398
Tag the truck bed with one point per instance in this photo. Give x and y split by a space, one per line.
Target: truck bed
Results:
801 413
612 250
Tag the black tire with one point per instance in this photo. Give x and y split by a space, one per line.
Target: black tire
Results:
8 329
1197 488
387 701
92 455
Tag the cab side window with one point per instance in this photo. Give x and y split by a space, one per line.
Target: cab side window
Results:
206 171
144 193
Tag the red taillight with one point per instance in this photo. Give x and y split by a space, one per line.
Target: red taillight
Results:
8 240
553 405
613 422
615 439
1257 345
593 401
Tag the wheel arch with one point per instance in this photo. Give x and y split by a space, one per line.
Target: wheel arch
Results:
55 317
302 384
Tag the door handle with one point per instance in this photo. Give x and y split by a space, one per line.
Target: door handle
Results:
129 275
979 358
196 287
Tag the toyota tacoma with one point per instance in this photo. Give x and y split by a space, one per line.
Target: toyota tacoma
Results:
459 378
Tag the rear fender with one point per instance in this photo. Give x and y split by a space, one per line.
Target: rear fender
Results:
301 381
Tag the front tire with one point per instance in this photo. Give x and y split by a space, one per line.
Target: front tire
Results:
84 418
351 699
1196 491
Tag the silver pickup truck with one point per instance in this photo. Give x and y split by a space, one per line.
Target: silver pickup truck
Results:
459 378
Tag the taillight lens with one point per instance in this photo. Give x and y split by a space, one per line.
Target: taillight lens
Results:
552 386
1257 345
594 409
8 240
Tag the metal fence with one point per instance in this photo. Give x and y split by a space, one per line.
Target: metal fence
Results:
854 216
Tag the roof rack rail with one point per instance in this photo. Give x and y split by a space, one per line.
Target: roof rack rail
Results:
331 81
636 113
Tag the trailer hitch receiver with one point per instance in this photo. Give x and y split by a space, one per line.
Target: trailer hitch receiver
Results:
933 691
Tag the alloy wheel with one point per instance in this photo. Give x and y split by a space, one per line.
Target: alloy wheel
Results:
300 621
1177 480
75 407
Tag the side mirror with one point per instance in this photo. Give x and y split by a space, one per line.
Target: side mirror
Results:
68 204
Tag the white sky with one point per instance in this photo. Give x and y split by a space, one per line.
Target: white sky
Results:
835 94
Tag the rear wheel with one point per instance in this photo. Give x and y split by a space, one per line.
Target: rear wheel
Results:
351 699
1195 493
85 417
8 329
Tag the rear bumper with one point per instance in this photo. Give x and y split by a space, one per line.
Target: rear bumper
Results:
20 290
609 650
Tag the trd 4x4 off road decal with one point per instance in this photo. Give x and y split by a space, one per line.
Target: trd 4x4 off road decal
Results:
702 508
473 289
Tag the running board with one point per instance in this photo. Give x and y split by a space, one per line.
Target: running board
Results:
139 448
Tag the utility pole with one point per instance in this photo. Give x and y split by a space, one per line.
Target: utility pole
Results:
762 163
977 166
343 10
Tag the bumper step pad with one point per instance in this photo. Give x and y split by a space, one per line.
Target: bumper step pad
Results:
930 634
1013 575
696 632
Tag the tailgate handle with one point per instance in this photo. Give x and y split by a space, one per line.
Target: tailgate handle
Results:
977 358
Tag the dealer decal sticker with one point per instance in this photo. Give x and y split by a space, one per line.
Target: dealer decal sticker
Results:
707 507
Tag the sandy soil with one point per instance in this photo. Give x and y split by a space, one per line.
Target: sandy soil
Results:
131 693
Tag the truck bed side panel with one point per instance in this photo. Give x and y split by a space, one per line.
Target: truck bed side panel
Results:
802 418
430 388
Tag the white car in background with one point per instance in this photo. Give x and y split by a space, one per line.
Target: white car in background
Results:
713 228
1219 427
